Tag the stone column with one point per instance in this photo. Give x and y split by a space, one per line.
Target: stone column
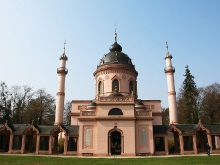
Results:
10 143
23 144
166 145
195 144
50 144
181 144
209 141
65 144
37 144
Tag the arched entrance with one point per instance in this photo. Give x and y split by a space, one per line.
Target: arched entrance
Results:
115 142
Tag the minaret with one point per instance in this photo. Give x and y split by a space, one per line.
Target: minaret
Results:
61 71
169 71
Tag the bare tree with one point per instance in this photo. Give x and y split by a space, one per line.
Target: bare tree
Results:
67 111
5 103
211 104
21 97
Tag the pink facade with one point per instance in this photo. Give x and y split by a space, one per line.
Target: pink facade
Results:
116 121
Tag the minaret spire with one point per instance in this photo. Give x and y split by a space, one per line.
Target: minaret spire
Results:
60 98
64 47
167 45
169 71
115 34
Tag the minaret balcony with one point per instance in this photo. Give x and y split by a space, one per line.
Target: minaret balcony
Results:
62 70
169 69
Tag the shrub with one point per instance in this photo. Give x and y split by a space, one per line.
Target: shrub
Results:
60 148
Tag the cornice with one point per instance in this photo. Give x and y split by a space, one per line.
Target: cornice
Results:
115 68
157 114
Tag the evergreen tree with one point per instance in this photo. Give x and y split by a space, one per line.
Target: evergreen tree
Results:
188 99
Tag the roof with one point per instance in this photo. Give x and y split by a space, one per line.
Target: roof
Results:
186 128
115 56
45 129
74 130
160 129
18 128
213 128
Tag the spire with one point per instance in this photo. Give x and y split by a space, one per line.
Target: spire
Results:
168 55
64 47
63 56
115 34
167 45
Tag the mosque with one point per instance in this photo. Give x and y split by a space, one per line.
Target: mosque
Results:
116 121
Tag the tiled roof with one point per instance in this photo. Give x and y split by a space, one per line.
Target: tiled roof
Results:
18 128
213 128
186 128
45 129
160 129
73 130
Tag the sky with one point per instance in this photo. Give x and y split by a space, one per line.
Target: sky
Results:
32 35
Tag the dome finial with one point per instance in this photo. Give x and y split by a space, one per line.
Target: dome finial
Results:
167 45
115 33
63 56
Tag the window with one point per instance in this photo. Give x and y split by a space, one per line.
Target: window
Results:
131 87
115 85
115 111
100 87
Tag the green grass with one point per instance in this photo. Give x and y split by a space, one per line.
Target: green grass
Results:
47 160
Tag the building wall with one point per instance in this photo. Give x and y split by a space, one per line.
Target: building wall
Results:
144 137
107 80
103 110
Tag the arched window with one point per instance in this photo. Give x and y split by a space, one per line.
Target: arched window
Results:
131 87
115 111
115 85
100 87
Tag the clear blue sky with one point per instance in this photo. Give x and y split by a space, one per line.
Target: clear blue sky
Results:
32 33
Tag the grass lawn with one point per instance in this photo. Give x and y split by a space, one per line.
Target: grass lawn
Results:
47 160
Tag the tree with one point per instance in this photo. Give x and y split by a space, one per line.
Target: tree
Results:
211 104
5 103
21 97
67 111
40 108
187 100
165 116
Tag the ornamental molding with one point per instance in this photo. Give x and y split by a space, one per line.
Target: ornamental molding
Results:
174 129
88 113
61 93
172 93
115 68
144 113
116 77
115 71
31 128
116 99
200 126
131 79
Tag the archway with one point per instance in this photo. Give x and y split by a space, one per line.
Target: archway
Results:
115 141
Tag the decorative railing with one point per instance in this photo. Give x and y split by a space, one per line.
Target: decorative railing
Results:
169 69
144 113
116 99
88 113
62 70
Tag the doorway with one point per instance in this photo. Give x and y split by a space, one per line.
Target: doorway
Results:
115 143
